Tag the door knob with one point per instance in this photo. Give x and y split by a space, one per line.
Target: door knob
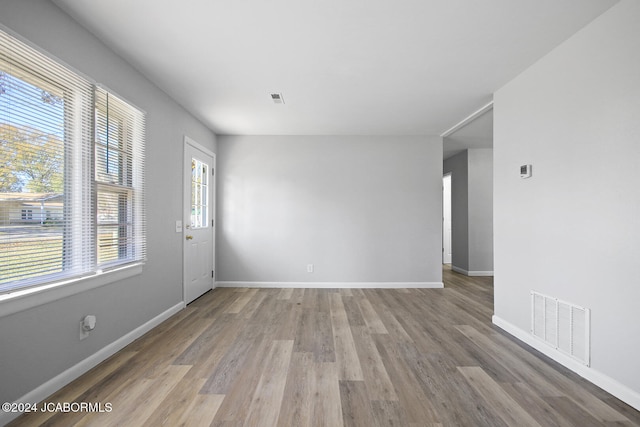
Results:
189 237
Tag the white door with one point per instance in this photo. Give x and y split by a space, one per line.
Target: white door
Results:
198 220
446 219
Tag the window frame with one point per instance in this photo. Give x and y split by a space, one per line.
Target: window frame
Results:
36 74
51 287
124 187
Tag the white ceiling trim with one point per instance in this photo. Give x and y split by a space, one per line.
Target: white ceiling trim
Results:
471 117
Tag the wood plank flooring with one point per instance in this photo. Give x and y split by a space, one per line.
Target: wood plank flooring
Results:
336 357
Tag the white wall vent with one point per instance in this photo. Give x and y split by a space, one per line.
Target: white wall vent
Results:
562 325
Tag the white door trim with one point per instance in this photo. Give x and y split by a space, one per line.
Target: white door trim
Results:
190 142
447 221
200 147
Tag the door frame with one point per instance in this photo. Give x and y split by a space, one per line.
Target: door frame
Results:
448 175
212 197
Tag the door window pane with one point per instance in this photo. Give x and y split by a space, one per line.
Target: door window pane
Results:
199 193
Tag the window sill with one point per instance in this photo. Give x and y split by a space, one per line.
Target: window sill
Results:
22 300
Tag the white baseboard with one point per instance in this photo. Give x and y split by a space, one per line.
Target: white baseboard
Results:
330 285
56 383
481 273
619 390
471 273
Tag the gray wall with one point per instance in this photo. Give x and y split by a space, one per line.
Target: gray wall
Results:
480 210
573 230
472 210
361 209
41 342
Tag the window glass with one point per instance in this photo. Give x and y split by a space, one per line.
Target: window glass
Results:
32 160
71 173
199 193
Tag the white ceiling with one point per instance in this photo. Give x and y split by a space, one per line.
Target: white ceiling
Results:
387 67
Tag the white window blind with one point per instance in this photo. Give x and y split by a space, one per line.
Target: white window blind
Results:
119 174
52 180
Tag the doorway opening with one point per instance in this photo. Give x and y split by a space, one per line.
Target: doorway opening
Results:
446 219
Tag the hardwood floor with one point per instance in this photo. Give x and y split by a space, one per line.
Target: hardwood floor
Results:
336 357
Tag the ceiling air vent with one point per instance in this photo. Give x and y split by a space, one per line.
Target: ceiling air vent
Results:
277 98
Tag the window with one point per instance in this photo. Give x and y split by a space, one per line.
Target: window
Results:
199 193
119 157
71 173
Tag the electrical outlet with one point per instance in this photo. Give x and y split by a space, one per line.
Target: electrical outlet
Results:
87 324
83 332
309 268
